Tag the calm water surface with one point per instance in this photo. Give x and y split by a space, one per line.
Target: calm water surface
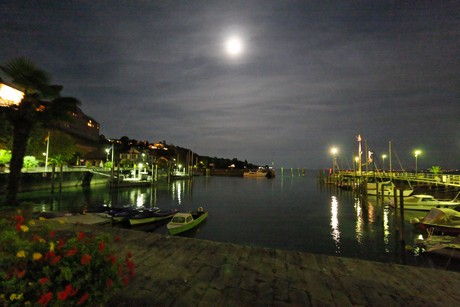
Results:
295 213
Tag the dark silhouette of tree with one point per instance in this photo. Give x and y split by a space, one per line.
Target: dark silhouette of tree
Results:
41 103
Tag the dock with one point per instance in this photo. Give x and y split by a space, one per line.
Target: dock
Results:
179 271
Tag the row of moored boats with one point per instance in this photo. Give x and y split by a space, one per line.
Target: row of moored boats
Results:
178 222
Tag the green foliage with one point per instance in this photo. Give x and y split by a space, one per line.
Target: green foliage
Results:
30 162
108 164
5 156
435 169
88 164
40 266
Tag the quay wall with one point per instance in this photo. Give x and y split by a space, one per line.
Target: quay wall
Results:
34 181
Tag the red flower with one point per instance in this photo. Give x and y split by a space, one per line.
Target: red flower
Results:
117 239
55 260
36 238
52 234
19 220
130 265
129 255
109 283
101 246
83 299
60 244
80 236
45 299
43 280
86 259
112 259
71 252
19 273
68 291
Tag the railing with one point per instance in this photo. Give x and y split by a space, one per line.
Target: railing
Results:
437 179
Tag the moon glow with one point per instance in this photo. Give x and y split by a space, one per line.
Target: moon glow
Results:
234 46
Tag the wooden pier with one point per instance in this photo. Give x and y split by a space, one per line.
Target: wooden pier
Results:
403 178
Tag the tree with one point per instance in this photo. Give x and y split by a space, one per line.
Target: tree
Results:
435 169
41 103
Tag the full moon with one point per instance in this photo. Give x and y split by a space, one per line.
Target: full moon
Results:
234 46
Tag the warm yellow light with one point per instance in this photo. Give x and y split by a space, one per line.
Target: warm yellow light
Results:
417 153
334 151
9 95
384 156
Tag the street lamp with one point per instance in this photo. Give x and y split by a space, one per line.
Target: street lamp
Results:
334 151
416 154
107 150
383 162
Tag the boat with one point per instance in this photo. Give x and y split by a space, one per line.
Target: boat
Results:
448 246
261 172
182 222
426 202
375 187
124 214
150 216
440 220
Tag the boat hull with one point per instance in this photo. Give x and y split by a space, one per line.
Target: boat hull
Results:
151 217
174 229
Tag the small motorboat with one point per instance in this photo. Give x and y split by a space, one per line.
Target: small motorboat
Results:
426 202
447 246
182 222
440 220
124 214
150 216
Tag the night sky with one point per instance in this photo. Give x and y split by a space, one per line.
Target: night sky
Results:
310 75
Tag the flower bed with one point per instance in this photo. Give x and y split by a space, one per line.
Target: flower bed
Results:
47 267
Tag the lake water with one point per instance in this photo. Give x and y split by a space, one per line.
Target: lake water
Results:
295 213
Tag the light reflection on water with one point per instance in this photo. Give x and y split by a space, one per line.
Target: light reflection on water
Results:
292 212
335 232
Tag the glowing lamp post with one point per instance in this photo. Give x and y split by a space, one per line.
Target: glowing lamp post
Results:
416 154
383 162
107 150
334 152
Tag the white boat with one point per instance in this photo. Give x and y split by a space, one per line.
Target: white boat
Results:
374 188
261 172
439 220
182 222
427 202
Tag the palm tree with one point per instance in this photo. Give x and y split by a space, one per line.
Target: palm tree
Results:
41 103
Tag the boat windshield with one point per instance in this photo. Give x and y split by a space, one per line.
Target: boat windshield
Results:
178 219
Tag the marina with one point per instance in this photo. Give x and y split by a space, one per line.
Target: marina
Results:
292 213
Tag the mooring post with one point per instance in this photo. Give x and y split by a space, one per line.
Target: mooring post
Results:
401 217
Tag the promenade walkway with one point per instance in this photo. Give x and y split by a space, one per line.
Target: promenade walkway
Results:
178 271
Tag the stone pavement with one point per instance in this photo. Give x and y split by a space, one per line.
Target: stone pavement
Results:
178 271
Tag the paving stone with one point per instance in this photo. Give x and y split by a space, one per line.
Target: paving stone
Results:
179 271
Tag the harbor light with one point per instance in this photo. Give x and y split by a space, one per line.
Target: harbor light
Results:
334 152
383 162
416 154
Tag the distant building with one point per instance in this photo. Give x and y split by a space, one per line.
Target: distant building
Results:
82 125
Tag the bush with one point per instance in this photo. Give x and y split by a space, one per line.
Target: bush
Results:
30 162
40 267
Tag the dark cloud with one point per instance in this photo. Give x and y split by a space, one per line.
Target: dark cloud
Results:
313 74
